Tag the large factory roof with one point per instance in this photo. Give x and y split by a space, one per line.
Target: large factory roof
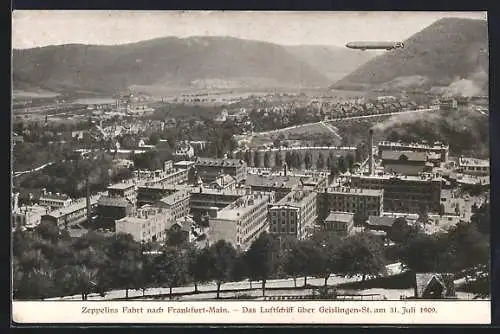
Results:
404 156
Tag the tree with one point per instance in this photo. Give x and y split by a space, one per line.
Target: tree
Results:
304 258
198 265
308 160
222 261
278 160
481 218
468 246
267 161
289 159
170 268
341 165
256 159
360 218
424 253
126 263
262 258
248 157
349 160
423 216
399 231
320 163
361 254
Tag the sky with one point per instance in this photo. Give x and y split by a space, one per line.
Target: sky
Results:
32 28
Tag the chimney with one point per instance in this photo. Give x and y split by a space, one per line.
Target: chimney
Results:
16 202
370 157
285 169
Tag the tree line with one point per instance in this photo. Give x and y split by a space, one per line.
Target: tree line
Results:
49 263
298 160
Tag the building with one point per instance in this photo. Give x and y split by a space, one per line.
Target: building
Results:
110 209
281 185
146 224
404 162
448 104
153 194
73 214
241 222
183 151
29 215
354 200
406 193
125 190
294 215
172 177
224 182
436 147
183 231
340 223
209 169
473 166
177 203
184 164
53 201
434 286
205 201
380 223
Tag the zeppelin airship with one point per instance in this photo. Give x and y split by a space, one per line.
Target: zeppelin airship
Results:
375 45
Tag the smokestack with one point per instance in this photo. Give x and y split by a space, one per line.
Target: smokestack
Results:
370 156
285 169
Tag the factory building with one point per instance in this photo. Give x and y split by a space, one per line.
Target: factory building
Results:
241 222
437 147
294 215
53 201
406 194
340 223
354 200
177 203
209 169
73 214
146 224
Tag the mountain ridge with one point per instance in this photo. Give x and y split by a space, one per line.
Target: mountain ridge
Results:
163 61
437 56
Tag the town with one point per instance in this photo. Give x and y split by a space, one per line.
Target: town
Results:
246 167
169 194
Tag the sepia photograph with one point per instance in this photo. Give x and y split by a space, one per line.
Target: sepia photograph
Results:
236 157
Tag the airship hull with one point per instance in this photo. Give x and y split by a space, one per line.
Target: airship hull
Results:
375 45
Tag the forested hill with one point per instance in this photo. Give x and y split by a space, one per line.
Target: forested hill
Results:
446 51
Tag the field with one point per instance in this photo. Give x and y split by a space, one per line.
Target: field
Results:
301 132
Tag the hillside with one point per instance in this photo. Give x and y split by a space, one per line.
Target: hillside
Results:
447 51
201 62
333 62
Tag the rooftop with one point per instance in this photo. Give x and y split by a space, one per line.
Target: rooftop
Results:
435 145
121 186
219 162
340 217
404 155
388 176
51 196
355 191
74 206
173 198
462 161
296 198
381 221
243 205
113 201
272 181
298 148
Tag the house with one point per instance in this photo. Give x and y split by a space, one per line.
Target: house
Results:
380 223
182 230
434 286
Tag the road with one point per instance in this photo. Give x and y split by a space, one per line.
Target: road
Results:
392 269
331 130
16 174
